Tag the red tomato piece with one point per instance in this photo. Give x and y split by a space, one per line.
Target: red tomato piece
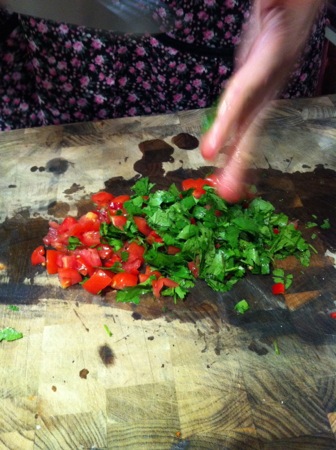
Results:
153 237
98 281
197 184
91 238
37 257
194 268
149 273
278 288
90 256
332 315
68 277
276 230
68 223
172 250
142 225
82 266
112 260
162 282
105 251
102 199
68 261
135 250
52 258
118 202
124 279
119 221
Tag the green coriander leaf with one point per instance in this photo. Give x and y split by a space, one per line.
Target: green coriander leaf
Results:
73 243
13 307
326 224
311 224
142 186
108 331
10 334
242 306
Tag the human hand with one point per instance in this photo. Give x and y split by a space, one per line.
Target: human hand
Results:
275 36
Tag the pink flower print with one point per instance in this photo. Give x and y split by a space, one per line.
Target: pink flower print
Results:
172 51
230 3
181 67
122 50
99 99
146 85
227 35
99 60
51 60
208 35
236 40
153 42
174 80
172 64
42 27
199 68
162 96
79 115
47 85
229 19
187 31
62 78
220 24
16 76
102 113
7 111
147 109
96 44
75 62
72 101
101 76
8 58
223 70
202 15
162 13
6 99
92 67
35 63
161 78
110 81
32 22
62 65
32 46
84 81
132 111
190 39
63 28
68 44
65 117
140 51
140 65
197 83
55 112
201 103
139 79
177 98
246 14
209 2
122 81
82 102
303 77
52 71
16 101
178 24
132 98
24 106
179 12
67 87
78 46
188 17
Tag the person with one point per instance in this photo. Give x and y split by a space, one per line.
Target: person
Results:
55 73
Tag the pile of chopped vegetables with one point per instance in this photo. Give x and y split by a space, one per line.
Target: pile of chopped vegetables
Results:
161 241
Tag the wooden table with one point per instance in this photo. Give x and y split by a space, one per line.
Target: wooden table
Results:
189 376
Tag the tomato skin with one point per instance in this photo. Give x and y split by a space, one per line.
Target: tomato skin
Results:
124 279
153 237
118 202
102 199
119 221
68 277
104 251
149 273
98 281
37 257
159 284
197 184
172 250
194 268
142 225
91 238
52 258
278 288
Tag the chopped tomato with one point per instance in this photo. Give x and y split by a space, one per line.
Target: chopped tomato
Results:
149 273
124 279
105 251
118 202
68 277
135 250
112 260
172 250
82 266
194 268
98 281
102 199
90 256
52 258
91 238
37 257
68 261
119 221
162 282
153 237
332 315
278 288
197 184
142 225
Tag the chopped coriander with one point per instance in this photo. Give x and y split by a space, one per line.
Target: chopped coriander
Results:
279 276
276 347
311 224
326 224
9 334
108 331
13 307
242 306
73 243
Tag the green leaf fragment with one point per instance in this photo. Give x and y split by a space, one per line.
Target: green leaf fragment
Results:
242 306
10 334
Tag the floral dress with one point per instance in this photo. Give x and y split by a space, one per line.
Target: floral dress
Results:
54 73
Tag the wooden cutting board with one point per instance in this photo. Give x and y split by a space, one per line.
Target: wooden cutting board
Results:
192 375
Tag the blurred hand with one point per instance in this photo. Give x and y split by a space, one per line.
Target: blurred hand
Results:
275 36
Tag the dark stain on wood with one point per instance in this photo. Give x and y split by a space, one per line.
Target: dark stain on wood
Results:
185 141
136 316
257 348
58 209
11 186
155 152
84 373
73 188
106 355
54 388
57 166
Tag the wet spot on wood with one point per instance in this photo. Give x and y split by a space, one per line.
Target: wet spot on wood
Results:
41 169
150 338
185 141
84 373
106 355
11 186
58 209
34 169
155 152
54 388
57 166
136 316
73 188
257 348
